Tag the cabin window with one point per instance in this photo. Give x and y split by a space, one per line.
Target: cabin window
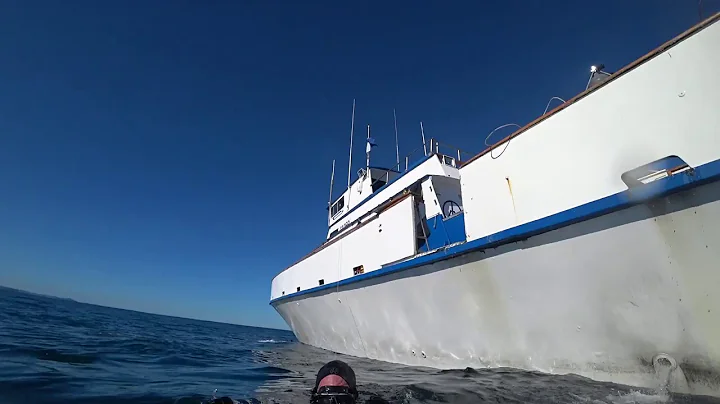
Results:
321 282
283 293
298 288
337 206
358 270
377 184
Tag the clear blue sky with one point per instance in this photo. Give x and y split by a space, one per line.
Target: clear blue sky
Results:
173 156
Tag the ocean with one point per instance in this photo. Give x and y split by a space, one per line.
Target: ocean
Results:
61 351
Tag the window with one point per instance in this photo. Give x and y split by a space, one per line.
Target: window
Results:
337 206
358 270
377 184
321 282
298 288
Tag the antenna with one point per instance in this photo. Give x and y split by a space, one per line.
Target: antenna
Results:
422 132
352 130
397 147
332 179
700 9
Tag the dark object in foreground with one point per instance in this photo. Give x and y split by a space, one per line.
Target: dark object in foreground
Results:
335 384
227 400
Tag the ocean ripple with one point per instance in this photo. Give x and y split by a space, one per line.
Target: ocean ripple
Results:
59 351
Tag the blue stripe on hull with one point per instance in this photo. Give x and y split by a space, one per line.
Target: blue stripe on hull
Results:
704 174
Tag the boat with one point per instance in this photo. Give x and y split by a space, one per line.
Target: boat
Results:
585 242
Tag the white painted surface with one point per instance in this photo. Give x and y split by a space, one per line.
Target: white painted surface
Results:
396 234
666 106
359 190
430 200
353 196
594 298
438 190
447 189
388 237
588 299
432 166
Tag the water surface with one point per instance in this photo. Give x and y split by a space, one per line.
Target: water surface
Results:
60 351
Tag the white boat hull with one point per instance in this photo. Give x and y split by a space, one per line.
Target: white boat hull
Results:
598 298
566 257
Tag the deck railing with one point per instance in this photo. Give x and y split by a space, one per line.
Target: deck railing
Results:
448 154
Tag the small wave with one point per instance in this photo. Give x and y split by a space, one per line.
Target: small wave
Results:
141 346
270 370
54 355
638 397
177 360
271 341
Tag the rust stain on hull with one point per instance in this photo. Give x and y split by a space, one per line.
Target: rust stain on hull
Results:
511 196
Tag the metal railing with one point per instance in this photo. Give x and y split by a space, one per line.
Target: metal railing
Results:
449 154
434 147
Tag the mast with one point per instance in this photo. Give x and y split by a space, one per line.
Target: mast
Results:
352 130
422 132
